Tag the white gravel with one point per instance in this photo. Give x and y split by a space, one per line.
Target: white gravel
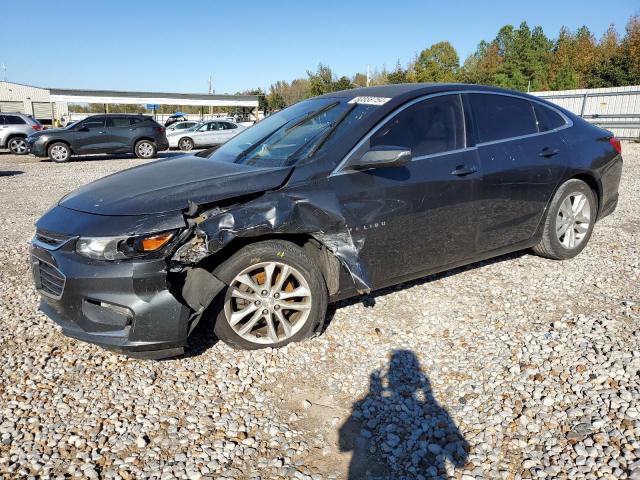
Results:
519 367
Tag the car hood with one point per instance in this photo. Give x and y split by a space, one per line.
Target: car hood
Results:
171 184
48 131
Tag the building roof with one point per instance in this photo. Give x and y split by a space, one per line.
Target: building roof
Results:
136 94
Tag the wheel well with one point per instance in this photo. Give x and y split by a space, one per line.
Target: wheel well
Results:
593 184
15 135
144 138
328 264
51 142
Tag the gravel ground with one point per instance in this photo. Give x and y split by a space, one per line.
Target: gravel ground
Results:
519 367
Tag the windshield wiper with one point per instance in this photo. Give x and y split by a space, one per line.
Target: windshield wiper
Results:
329 132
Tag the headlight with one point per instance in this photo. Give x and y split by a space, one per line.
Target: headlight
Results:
117 248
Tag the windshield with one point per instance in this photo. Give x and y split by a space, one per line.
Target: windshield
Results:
290 135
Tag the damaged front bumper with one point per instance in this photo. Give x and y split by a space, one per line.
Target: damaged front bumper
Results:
125 306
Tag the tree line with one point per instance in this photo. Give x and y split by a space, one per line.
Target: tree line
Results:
519 58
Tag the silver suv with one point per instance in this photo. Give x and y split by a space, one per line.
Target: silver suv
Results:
14 129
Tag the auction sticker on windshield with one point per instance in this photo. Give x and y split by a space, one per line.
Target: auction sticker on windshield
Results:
370 100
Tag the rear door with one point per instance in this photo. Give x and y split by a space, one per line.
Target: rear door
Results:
417 217
119 133
228 131
522 161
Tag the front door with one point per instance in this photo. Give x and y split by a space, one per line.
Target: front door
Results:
90 136
416 217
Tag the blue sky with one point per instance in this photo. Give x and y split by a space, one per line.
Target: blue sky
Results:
175 45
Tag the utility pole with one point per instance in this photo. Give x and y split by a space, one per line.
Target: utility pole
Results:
367 75
210 92
4 72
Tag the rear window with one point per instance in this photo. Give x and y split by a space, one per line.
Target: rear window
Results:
499 117
120 122
546 118
13 120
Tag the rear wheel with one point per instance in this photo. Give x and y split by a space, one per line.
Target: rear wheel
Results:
276 295
145 149
569 221
18 146
185 144
59 152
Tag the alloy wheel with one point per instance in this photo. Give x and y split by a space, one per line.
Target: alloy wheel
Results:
145 149
18 146
573 220
59 153
186 144
268 302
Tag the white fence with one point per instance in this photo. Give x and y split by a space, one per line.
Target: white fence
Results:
616 108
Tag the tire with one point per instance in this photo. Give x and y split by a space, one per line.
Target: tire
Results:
18 146
185 144
557 245
145 149
252 262
59 152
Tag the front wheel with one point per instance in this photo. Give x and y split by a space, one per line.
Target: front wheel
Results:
275 295
145 149
18 146
59 152
569 222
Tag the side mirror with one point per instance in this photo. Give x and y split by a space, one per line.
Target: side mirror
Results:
383 156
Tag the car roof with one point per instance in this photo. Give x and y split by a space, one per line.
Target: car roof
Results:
413 90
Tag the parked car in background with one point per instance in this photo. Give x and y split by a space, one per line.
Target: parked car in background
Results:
116 133
14 130
334 196
174 127
205 134
176 117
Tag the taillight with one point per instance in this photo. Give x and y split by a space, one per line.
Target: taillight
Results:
37 128
615 143
160 129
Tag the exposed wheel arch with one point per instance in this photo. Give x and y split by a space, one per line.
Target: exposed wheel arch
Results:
326 261
594 185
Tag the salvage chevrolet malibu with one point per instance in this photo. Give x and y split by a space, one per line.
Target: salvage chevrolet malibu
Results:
334 196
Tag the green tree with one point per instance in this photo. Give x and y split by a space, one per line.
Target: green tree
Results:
438 63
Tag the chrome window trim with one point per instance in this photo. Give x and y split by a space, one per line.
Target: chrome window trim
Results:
340 168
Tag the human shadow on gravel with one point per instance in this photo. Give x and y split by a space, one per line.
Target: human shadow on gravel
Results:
399 430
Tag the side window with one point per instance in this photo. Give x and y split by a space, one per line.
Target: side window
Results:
498 117
204 128
13 120
214 126
230 126
432 126
119 122
546 118
1 119
93 122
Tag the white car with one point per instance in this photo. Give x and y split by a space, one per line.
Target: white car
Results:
204 134
174 127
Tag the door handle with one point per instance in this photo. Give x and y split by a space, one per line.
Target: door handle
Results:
462 170
548 152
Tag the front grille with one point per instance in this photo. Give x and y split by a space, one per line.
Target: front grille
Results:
53 240
49 280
